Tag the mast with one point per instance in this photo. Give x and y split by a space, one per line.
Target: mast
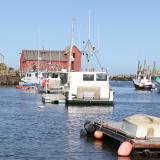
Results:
38 52
71 45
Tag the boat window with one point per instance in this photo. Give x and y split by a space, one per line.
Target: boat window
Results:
45 75
54 75
101 77
88 77
28 75
36 74
63 77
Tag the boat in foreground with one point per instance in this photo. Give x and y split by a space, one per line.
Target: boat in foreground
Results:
141 131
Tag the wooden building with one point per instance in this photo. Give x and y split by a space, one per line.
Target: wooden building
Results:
50 60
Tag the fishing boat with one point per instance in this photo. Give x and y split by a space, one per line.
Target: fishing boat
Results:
143 78
30 80
143 82
54 82
90 88
137 132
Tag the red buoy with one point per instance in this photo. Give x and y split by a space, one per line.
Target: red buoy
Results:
98 134
125 149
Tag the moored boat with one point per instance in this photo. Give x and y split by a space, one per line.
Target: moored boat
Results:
143 79
53 83
91 88
141 131
143 82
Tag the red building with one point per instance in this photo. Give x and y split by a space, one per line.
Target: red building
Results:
50 60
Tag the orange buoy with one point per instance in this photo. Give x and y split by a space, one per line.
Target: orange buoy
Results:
125 149
98 134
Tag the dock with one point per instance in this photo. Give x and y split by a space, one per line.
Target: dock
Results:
53 98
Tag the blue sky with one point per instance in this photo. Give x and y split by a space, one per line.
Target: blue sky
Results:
125 31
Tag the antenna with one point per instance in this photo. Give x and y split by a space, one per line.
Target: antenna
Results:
89 24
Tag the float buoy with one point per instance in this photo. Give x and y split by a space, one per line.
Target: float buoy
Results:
98 134
125 149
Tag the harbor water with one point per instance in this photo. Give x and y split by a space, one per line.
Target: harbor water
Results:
53 132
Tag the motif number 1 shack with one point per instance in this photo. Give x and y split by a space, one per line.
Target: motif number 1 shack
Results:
49 60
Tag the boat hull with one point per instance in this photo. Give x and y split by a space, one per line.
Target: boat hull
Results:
145 87
81 102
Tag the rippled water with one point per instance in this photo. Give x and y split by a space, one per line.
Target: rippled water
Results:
27 132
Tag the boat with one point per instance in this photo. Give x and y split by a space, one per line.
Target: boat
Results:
143 82
30 80
90 88
143 78
54 82
141 131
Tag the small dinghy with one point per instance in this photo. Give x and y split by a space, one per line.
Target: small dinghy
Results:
138 132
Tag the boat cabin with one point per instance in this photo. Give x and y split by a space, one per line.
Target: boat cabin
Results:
84 86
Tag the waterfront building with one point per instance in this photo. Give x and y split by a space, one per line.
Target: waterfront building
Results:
50 60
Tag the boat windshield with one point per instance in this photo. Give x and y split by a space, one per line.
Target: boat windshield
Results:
101 77
88 77
158 79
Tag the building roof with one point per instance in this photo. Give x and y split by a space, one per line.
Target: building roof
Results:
46 55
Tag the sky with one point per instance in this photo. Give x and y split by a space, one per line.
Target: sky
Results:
123 31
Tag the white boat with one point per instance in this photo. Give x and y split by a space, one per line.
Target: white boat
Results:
53 83
143 82
143 78
139 133
89 88
32 78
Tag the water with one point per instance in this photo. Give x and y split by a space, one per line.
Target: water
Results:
52 133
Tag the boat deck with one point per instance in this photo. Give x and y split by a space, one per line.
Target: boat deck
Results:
113 130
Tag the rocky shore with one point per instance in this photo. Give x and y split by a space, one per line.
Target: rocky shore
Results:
6 80
121 77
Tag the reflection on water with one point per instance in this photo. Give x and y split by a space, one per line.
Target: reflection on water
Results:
53 132
90 112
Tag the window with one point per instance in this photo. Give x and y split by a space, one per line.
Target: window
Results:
54 75
101 77
74 55
88 77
